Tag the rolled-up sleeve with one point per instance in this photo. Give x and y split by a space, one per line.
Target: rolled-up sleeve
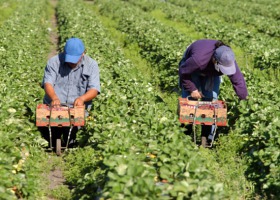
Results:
94 79
50 74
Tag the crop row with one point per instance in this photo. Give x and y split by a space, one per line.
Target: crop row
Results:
6 9
159 44
152 37
23 47
133 146
162 46
137 148
267 9
256 35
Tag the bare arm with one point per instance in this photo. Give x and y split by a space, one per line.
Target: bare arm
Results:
51 93
89 95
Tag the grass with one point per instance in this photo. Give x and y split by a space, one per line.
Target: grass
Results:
50 163
61 192
6 9
53 190
179 26
231 166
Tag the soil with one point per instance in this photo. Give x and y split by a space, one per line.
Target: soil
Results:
55 177
53 32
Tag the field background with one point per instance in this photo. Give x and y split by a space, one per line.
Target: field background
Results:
133 146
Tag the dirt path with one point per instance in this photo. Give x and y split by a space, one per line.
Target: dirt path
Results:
55 176
53 31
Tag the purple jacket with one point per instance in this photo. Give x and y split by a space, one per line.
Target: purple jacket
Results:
198 58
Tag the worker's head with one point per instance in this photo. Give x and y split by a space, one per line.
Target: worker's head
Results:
224 60
74 50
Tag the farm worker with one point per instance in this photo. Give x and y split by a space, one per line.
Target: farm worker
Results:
200 71
71 77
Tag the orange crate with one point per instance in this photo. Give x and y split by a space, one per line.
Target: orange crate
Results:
59 116
202 112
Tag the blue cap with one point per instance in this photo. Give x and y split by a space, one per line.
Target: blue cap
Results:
226 60
74 48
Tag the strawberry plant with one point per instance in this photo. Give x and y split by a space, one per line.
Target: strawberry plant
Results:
23 47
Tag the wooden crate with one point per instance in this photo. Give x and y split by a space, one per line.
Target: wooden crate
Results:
59 116
202 112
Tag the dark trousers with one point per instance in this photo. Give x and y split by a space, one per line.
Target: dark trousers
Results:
58 133
203 83
205 130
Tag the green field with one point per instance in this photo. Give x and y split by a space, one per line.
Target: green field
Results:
132 146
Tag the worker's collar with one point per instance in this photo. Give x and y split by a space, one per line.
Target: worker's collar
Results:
61 57
80 64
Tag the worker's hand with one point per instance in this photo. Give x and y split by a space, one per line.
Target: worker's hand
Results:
196 94
55 103
79 101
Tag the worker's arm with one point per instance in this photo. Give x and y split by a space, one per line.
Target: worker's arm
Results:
51 93
185 71
89 95
239 84
93 84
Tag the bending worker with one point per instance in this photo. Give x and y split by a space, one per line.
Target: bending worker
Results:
71 77
203 62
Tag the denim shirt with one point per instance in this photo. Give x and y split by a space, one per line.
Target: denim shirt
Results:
70 83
